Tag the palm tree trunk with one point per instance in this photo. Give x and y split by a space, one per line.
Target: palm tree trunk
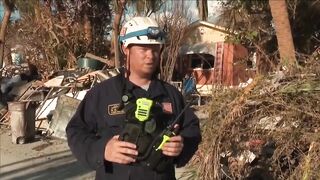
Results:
283 31
8 6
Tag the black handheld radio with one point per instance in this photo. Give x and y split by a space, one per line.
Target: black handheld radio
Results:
150 149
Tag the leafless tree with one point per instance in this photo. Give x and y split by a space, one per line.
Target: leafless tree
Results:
8 6
174 22
119 7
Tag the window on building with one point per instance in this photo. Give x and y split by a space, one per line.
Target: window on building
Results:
203 61
196 63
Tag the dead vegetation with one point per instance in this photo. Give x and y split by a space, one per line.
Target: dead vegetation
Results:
269 130
174 25
54 40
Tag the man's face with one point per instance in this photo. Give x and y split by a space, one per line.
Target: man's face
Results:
144 59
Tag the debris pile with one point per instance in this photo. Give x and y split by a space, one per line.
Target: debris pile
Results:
57 96
268 130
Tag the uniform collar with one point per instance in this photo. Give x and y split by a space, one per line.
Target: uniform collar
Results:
156 87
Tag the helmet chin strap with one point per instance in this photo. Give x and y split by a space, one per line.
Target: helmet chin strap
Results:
128 64
125 78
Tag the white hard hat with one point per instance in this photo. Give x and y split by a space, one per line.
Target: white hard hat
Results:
141 30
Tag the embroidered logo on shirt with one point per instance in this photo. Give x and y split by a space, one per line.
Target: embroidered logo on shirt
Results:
113 110
167 107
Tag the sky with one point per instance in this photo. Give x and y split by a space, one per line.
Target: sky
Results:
14 16
213 10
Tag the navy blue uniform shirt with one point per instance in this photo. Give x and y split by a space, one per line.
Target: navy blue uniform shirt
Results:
98 119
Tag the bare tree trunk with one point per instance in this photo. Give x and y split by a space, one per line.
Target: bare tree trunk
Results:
37 12
116 29
87 27
284 36
176 27
203 9
64 21
8 6
116 24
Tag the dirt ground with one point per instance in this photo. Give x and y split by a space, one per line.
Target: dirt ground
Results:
41 159
44 159
50 158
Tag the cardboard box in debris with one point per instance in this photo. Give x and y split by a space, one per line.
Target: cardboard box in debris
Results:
63 89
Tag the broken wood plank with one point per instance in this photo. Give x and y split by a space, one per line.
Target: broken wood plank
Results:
106 61
92 56
57 81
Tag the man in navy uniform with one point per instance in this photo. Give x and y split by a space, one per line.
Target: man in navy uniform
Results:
95 131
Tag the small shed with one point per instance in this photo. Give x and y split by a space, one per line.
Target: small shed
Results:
210 59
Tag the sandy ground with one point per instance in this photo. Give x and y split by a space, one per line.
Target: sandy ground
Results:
41 159
44 159
50 159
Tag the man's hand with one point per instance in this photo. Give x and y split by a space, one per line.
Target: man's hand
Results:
173 147
120 151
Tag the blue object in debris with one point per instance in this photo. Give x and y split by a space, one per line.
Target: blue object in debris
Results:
189 85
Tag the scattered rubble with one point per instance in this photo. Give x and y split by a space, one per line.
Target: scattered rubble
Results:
61 89
268 130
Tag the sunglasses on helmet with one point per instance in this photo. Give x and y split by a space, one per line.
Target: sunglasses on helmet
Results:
150 32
